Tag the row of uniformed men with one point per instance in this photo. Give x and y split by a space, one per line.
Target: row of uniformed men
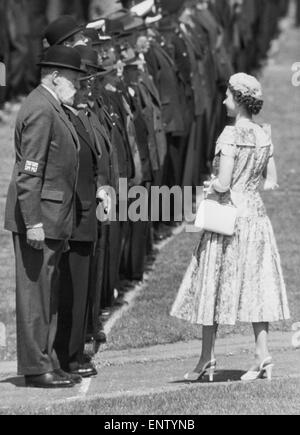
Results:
148 129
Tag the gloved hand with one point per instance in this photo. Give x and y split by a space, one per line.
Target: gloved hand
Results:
36 238
105 199
208 186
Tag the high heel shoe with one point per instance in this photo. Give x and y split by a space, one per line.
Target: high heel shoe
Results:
208 369
265 369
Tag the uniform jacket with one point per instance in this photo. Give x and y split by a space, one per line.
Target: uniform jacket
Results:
105 124
164 73
177 49
120 141
42 189
102 144
143 106
85 222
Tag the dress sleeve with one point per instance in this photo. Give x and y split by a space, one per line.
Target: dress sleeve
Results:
226 144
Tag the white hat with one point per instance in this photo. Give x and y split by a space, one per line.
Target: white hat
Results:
247 85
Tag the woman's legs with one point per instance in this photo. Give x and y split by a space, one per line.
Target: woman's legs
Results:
208 346
261 332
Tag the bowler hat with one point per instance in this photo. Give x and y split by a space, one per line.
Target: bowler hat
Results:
61 29
62 57
89 57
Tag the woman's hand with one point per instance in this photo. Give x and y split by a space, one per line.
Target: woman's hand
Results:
270 185
208 187
270 176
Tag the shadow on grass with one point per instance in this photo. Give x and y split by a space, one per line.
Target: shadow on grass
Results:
221 376
18 382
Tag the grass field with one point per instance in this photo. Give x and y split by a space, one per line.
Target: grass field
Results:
261 398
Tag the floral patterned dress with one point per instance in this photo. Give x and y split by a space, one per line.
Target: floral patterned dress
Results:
238 278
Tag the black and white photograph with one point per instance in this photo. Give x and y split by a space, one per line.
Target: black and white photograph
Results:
150 210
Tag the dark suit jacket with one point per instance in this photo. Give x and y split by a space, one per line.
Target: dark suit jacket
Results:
42 188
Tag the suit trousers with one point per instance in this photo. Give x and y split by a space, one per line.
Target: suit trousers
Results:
135 251
37 284
105 269
73 302
99 277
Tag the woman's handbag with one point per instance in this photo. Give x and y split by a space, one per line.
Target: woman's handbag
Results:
216 217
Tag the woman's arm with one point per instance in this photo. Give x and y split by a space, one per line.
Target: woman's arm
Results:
221 183
270 175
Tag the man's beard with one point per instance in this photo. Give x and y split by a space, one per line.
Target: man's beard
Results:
66 92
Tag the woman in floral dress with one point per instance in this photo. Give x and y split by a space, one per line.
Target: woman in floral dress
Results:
238 278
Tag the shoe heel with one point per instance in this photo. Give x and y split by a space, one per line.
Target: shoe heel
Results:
269 372
211 374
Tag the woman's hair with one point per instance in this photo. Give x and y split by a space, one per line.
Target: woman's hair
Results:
252 104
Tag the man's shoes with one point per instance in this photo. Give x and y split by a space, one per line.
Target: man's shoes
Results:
163 232
100 337
75 378
99 334
85 369
49 380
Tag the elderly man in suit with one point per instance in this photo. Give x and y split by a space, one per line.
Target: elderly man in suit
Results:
40 213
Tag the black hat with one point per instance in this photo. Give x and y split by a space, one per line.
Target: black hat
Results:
61 29
89 57
62 57
96 38
124 21
114 27
92 34
171 6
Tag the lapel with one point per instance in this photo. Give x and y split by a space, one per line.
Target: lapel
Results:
61 113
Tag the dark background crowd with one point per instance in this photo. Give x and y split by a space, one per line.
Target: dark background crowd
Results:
190 60
22 23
